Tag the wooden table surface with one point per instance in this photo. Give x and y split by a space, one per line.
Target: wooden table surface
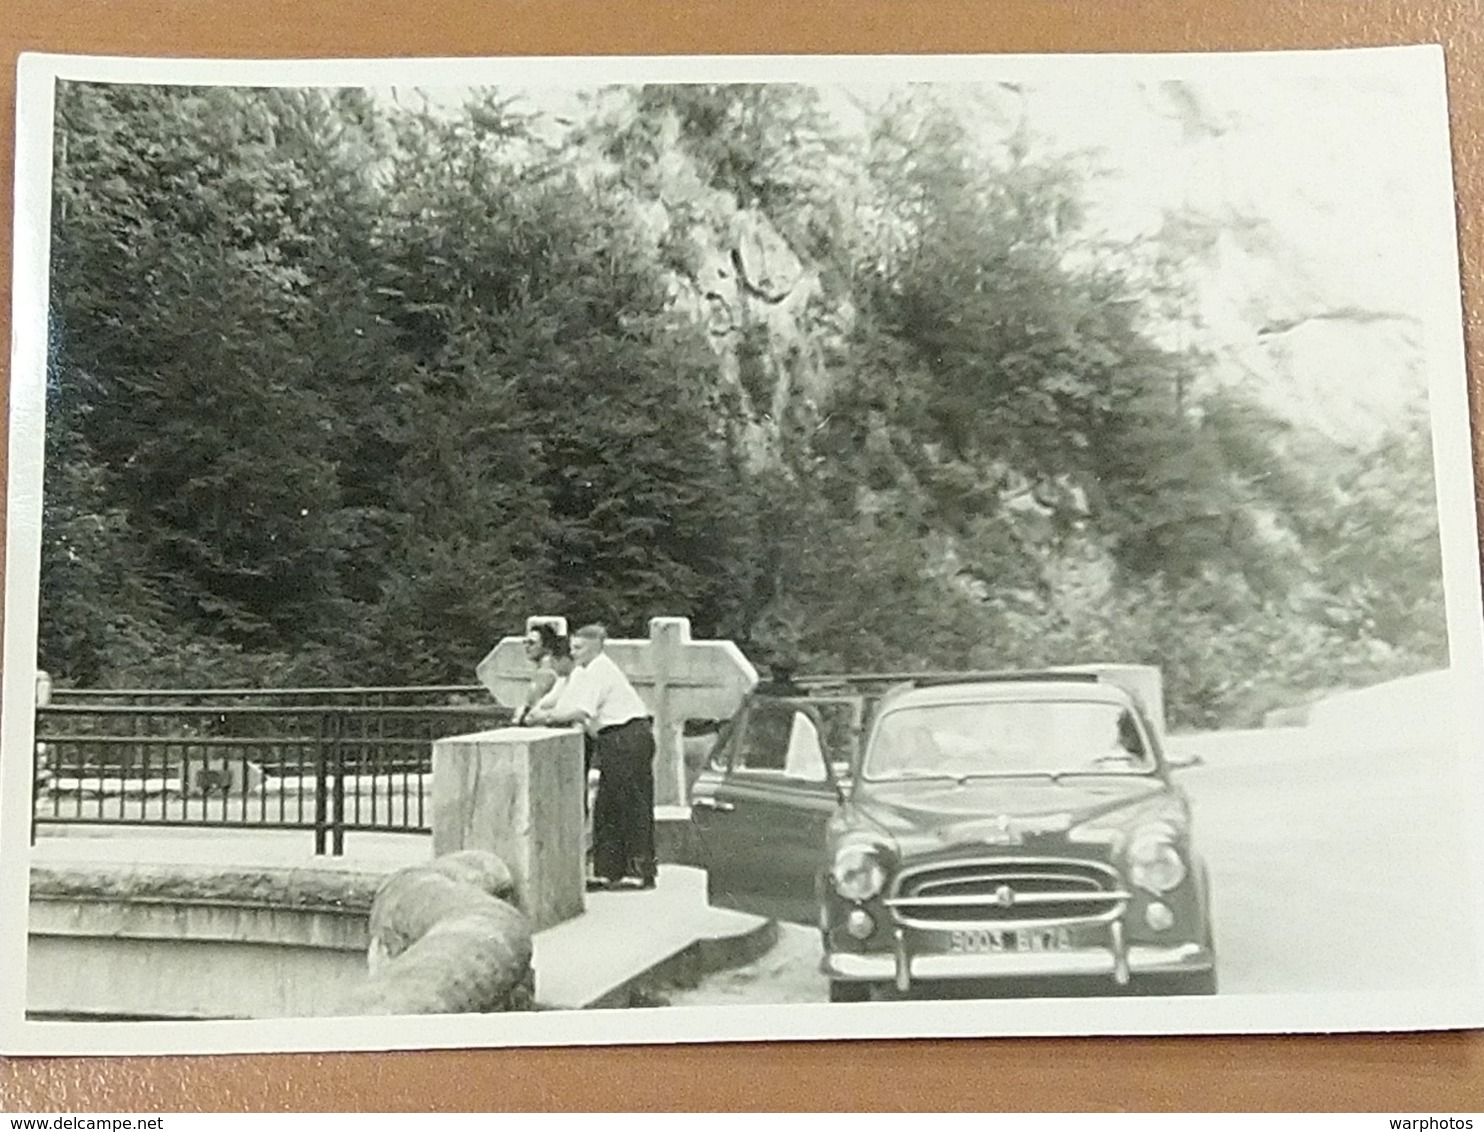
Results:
1435 1073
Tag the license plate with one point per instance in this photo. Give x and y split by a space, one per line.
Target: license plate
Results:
979 940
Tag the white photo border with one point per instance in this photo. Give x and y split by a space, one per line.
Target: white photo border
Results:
38 75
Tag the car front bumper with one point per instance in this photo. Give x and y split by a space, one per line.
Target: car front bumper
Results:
904 969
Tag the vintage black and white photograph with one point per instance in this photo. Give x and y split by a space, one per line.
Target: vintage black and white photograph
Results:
549 551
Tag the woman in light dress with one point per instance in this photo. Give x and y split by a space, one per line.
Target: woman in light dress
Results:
543 645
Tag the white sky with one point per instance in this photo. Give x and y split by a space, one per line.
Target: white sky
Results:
1327 173
1335 162
1338 167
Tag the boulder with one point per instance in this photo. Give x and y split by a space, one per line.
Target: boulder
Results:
446 939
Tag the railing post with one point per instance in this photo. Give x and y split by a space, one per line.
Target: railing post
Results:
338 817
35 771
42 698
321 782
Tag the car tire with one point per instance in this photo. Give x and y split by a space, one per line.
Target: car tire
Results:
849 992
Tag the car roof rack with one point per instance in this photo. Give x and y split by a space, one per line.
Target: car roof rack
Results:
935 679
881 681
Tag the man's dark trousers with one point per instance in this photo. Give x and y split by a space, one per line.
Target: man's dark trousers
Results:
623 813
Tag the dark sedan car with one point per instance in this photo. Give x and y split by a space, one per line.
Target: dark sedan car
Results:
990 828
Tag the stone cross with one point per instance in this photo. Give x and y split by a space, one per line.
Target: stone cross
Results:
677 677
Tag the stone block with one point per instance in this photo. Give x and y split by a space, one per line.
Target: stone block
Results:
517 792
204 773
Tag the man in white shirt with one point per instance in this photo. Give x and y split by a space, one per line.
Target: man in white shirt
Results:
599 698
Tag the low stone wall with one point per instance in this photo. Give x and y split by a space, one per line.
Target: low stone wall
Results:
190 941
335 891
447 939
195 941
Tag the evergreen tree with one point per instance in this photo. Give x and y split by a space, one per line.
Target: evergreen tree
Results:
342 391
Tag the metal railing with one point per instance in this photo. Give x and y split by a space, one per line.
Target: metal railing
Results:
325 760
426 695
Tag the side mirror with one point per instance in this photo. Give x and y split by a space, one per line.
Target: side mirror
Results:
1183 760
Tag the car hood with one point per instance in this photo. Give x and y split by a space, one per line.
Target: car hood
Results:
1006 810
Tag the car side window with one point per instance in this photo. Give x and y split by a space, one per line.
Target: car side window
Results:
764 742
798 739
804 759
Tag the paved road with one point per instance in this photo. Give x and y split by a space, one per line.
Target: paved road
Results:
1335 870
1332 871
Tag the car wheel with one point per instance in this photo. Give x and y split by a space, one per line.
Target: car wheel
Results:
1185 983
849 992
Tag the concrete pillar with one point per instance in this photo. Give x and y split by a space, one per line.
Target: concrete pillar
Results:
517 792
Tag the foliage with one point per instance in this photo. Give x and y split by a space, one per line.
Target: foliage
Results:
342 390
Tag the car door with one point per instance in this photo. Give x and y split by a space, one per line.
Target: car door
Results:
761 808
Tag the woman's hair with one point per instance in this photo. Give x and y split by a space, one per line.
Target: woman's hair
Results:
552 643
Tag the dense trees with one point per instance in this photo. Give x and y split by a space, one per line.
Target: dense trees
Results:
342 390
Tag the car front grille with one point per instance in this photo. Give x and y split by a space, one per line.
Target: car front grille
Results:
1006 891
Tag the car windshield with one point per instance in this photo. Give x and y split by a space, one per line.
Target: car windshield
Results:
964 740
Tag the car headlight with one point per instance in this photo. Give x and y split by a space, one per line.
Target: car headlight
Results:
857 872
1155 864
